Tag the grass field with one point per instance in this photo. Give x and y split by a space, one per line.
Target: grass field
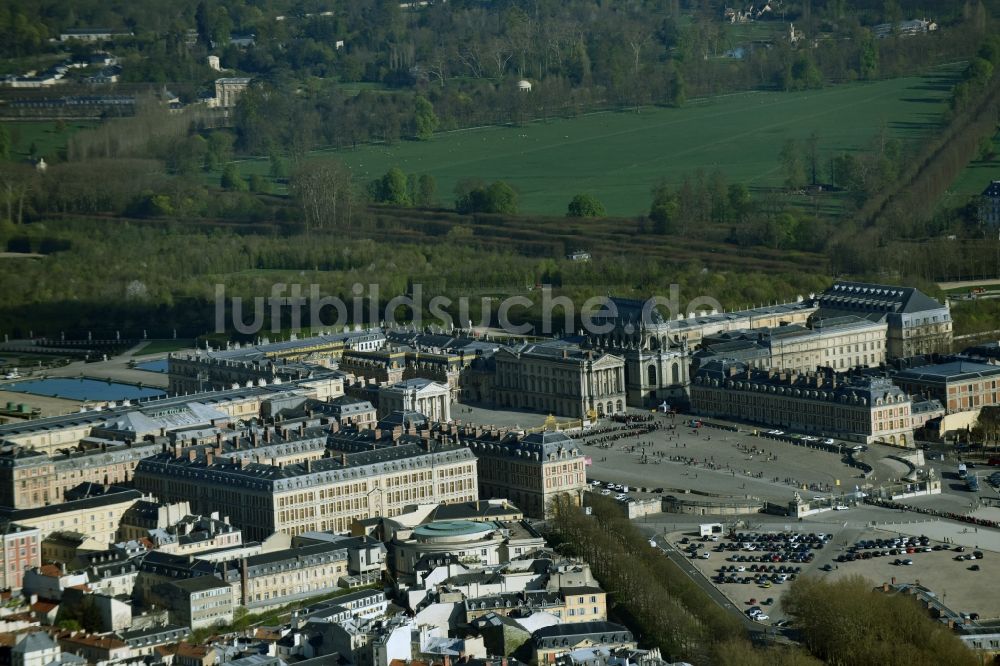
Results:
974 178
619 156
47 139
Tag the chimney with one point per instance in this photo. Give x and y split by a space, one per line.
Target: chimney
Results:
178 450
209 457
192 455
244 462
218 439
302 429
378 433
243 582
885 587
343 459
397 432
308 465
893 579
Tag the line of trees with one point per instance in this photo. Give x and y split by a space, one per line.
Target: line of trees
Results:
845 622
659 601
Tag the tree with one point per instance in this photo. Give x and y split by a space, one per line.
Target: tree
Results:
585 205
323 191
739 201
501 199
884 628
793 165
278 166
664 210
392 188
259 184
424 118
232 180
426 190
472 196
4 142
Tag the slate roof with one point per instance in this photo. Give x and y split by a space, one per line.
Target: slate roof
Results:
875 298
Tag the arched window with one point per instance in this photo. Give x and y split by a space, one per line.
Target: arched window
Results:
675 373
651 375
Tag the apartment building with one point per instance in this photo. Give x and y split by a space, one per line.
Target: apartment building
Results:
21 550
93 512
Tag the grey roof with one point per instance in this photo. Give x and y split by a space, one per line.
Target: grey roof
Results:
36 641
875 298
114 495
954 371
866 389
601 632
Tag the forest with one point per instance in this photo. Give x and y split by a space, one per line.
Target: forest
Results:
182 182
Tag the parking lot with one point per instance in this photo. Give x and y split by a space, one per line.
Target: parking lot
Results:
756 567
753 568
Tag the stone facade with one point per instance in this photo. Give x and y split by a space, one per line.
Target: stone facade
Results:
560 379
860 408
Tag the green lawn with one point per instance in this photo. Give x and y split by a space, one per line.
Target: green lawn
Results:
619 156
163 346
47 139
974 178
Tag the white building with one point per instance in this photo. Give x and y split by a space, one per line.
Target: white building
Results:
432 399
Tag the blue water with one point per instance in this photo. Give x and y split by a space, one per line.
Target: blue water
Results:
82 389
153 366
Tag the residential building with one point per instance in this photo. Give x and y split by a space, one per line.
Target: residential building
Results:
989 206
229 89
202 601
560 378
860 408
349 411
550 642
21 550
34 648
95 512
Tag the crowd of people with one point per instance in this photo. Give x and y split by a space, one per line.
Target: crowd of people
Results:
972 520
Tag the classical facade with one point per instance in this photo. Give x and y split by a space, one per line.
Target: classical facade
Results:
657 348
317 495
429 398
860 408
560 379
841 343
916 323
530 471
960 385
